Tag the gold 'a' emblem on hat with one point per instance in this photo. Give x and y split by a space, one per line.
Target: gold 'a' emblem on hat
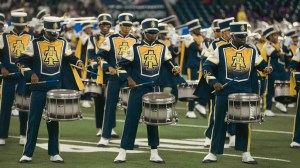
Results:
104 17
55 26
21 20
127 18
243 28
152 24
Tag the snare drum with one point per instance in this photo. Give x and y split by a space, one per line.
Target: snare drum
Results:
159 109
244 108
186 91
22 102
91 87
282 92
124 97
63 105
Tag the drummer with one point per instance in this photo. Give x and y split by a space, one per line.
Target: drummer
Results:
12 44
295 68
109 53
81 53
54 50
95 41
277 60
163 37
146 67
193 46
242 59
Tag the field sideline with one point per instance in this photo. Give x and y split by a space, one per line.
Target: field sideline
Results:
181 145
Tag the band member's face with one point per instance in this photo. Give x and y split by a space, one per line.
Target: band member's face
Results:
274 37
51 36
197 32
217 34
19 29
151 37
295 40
125 29
226 34
89 31
104 28
1 27
239 41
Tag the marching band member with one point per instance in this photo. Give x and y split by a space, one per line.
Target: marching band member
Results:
228 62
104 23
12 44
2 20
193 43
277 60
42 61
147 60
81 53
295 69
109 54
223 40
162 36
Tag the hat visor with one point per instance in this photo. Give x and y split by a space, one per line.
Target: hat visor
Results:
152 31
240 35
126 24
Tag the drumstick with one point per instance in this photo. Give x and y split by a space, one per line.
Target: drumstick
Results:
40 82
108 73
146 83
178 74
84 70
223 86
14 73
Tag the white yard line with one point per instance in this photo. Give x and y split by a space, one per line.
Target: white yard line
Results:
174 150
205 126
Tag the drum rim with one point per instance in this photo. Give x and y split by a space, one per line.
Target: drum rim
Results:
164 100
190 83
281 82
244 96
74 94
89 80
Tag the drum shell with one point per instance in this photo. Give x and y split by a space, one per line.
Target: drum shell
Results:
22 102
63 107
124 97
282 92
244 108
186 91
91 87
160 111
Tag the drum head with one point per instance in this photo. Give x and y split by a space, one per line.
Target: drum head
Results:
63 94
158 98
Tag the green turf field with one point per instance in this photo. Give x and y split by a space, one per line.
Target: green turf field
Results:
181 145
